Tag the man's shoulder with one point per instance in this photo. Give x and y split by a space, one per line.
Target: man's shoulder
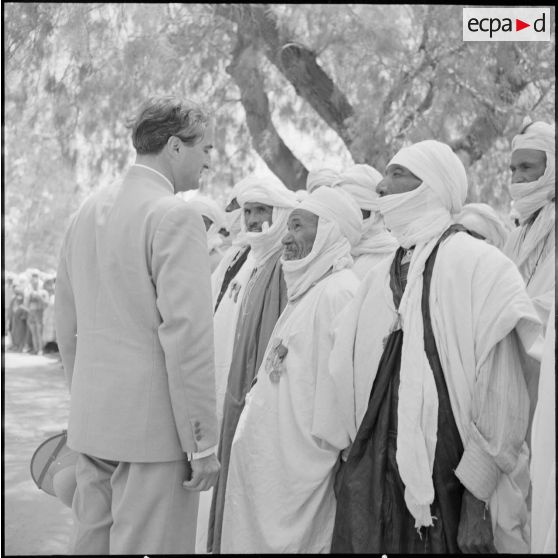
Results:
463 253
341 280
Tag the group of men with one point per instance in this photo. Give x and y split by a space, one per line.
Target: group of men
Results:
360 373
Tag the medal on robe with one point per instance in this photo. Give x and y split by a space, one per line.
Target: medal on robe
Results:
274 364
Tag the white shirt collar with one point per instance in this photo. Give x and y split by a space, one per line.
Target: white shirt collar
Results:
156 172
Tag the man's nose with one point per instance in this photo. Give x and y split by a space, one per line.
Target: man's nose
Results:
287 239
381 187
517 177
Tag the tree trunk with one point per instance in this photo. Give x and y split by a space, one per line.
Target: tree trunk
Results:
296 62
265 138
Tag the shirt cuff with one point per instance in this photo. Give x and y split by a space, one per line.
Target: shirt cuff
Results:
478 472
201 454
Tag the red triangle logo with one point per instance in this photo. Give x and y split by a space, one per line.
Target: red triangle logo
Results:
519 25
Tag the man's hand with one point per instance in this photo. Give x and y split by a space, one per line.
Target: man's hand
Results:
205 472
474 534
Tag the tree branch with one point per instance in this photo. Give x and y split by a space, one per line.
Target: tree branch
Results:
297 63
265 139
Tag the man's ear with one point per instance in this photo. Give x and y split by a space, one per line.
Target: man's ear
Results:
173 145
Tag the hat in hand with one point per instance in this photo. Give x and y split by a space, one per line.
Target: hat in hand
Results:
53 468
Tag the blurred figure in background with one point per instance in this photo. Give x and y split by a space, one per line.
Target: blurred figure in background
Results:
214 220
49 333
532 245
376 243
321 177
36 300
17 320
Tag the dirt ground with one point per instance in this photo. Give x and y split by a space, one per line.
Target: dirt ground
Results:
36 405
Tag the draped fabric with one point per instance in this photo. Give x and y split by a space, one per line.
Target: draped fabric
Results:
360 182
280 481
543 461
331 252
482 219
479 343
321 177
532 245
336 206
442 193
370 490
270 192
532 248
265 297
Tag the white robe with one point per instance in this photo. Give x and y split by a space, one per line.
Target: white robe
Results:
224 327
543 461
478 306
365 262
280 484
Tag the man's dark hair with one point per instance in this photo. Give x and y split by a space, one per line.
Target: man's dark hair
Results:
159 118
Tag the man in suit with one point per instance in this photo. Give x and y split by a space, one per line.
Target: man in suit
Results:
134 323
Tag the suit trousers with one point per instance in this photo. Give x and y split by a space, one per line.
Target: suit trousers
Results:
132 508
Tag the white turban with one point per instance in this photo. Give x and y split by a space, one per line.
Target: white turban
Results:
531 196
208 207
339 225
321 177
439 167
360 182
525 248
336 205
482 219
417 216
267 190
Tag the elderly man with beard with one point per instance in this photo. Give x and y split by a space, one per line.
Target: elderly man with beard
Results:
280 495
427 373
265 209
376 243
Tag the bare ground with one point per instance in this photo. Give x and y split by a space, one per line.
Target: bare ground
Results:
36 405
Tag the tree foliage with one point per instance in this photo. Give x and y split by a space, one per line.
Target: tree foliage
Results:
290 85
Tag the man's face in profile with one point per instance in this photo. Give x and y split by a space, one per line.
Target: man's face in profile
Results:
527 165
299 240
193 160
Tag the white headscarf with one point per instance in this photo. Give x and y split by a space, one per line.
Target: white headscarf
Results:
268 190
482 219
422 214
209 208
338 229
528 197
233 217
321 177
360 182
431 205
